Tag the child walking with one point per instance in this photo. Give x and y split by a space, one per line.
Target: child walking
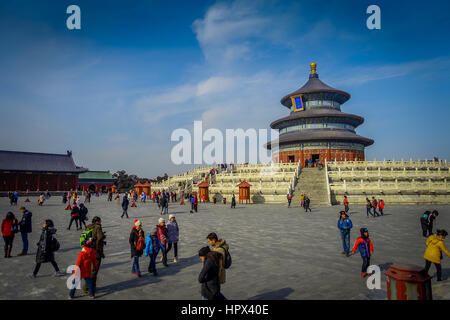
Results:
83 271
365 246
152 247
433 253
173 234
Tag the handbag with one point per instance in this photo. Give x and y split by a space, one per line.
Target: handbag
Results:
14 228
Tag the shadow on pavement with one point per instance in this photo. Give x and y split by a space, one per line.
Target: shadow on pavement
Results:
128 284
280 294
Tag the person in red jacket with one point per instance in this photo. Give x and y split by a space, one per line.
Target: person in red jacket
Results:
365 246
162 236
85 264
10 226
381 206
345 204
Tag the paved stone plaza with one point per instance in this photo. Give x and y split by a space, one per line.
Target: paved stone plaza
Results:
278 253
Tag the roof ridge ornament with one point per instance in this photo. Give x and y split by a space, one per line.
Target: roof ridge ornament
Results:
313 67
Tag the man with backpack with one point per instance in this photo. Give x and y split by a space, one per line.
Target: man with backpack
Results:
221 247
98 238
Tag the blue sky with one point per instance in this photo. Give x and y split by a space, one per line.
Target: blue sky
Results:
114 91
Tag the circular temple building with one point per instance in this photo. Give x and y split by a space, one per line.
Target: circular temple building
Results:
316 128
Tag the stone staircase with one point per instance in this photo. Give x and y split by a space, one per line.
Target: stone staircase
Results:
312 182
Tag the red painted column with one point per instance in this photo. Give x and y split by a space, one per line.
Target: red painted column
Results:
17 182
58 183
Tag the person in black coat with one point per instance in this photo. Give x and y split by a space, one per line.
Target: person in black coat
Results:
83 214
45 252
209 276
125 203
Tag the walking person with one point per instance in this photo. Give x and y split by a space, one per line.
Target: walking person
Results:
209 275
162 236
307 203
125 203
25 229
365 246
374 206
83 215
346 208
289 199
98 238
86 262
233 201
9 228
173 235
195 203
191 197
381 206
427 221
433 253
368 208
166 208
302 199
221 246
74 216
345 225
47 246
152 247
163 203
41 199
137 244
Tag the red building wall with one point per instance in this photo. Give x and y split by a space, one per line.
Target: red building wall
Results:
34 182
328 154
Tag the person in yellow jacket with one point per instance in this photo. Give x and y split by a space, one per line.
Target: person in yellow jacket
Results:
302 199
220 246
433 253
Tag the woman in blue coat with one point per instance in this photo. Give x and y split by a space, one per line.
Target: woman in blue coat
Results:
345 225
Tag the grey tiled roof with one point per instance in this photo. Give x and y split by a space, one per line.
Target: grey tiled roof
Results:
323 135
38 162
319 113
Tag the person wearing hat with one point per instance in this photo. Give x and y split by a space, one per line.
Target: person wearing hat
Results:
209 276
173 234
345 225
86 262
137 244
365 246
152 247
162 236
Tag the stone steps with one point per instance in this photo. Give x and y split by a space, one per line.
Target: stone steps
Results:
312 182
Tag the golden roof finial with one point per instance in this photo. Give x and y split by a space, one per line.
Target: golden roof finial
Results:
313 66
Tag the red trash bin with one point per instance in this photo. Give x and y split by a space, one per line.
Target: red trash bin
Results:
408 282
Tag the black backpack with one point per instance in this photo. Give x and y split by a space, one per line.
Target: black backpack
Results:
228 260
54 244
